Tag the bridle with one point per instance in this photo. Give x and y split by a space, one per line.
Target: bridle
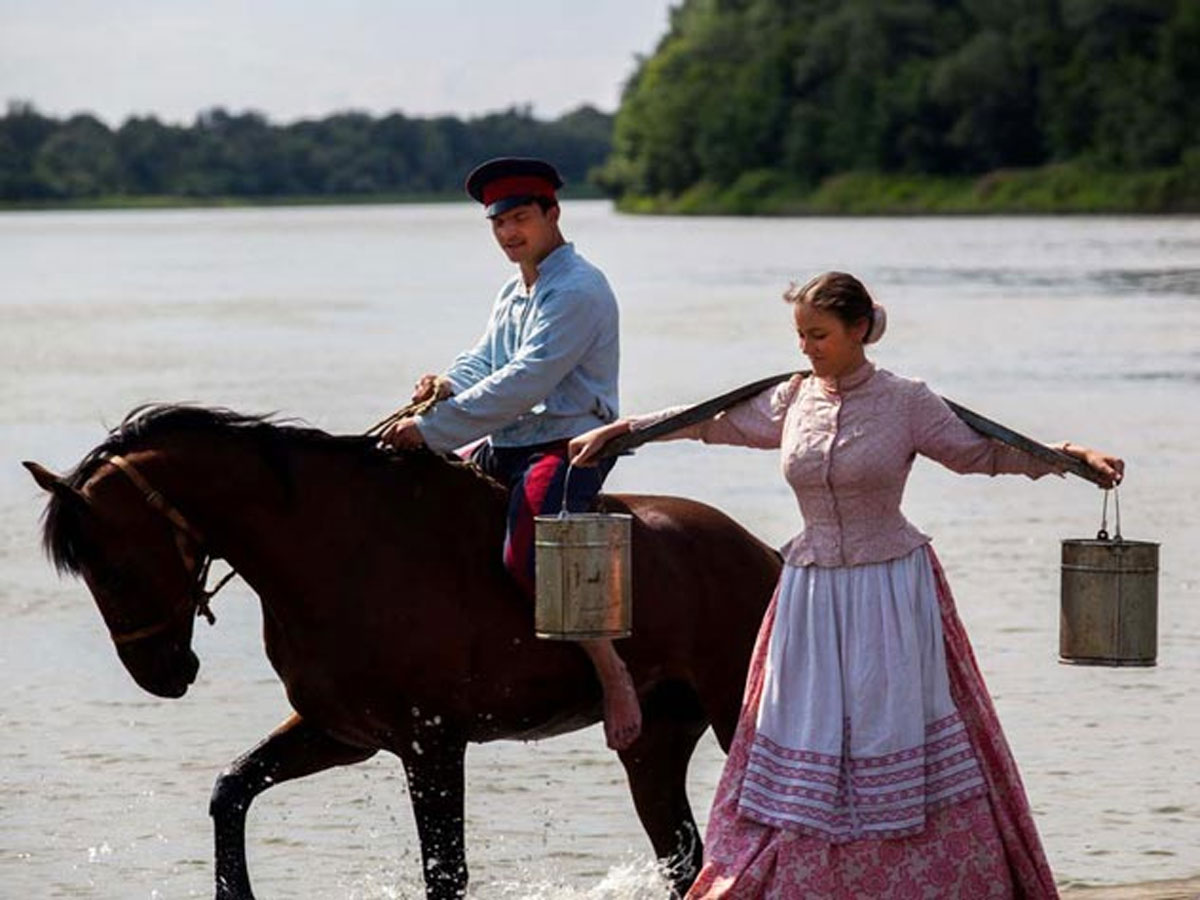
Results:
190 544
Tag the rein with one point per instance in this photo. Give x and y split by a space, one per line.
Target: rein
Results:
198 596
413 409
187 536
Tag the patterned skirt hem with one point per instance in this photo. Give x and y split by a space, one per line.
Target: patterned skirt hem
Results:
842 799
887 832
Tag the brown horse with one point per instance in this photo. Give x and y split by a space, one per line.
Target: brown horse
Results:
389 616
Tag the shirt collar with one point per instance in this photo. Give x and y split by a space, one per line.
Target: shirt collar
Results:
857 378
556 260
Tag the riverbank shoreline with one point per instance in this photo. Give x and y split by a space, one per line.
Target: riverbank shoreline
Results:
1063 189
1173 889
117 203
157 202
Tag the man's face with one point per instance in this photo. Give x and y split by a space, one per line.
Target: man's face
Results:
526 234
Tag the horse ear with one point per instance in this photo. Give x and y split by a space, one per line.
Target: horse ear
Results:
48 481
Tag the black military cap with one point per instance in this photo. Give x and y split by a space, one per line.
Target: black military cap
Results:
510 181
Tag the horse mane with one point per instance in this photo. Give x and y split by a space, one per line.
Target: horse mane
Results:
273 438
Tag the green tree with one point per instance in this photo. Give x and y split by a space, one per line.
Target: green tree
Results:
22 131
1117 97
149 154
224 154
79 159
797 90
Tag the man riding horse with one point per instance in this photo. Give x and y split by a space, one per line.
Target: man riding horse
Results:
544 371
383 628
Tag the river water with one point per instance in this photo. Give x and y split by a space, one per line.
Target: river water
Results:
1080 328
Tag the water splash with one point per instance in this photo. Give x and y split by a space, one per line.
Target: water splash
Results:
385 885
96 853
637 879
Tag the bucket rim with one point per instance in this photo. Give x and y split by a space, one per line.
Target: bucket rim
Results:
588 516
1112 542
594 635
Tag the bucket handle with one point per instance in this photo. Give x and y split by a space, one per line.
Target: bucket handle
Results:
564 512
1102 534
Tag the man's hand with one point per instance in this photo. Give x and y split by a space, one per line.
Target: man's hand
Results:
403 435
430 386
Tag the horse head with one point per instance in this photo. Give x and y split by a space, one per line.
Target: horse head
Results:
113 519
138 563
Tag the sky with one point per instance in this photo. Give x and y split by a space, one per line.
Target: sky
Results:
293 59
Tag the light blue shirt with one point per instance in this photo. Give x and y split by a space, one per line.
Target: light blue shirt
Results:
545 368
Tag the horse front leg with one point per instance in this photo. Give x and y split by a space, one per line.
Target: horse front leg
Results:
435 786
656 765
293 750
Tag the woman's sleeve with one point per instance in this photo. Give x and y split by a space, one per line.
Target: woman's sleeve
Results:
756 422
942 436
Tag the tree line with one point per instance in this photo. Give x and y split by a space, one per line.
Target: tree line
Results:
795 91
242 155
856 103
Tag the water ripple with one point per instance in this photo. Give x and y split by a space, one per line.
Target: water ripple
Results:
1183 281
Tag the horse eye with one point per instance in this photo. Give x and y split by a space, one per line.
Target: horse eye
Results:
113 580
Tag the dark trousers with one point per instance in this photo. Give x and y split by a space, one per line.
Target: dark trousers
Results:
535 477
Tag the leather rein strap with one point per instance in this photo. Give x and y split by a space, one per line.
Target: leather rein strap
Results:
187 537
182 530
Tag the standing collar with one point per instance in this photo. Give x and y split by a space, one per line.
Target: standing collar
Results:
555 261
857 378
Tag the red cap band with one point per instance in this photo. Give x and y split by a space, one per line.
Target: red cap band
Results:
516 185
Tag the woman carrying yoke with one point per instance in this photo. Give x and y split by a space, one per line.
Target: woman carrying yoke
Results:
868 760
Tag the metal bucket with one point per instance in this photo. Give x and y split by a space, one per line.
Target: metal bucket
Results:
1109 609
583 576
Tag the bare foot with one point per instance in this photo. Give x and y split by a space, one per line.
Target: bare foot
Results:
622 713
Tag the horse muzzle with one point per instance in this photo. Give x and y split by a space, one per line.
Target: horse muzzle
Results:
164 672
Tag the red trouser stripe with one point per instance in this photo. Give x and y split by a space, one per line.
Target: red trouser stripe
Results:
529 500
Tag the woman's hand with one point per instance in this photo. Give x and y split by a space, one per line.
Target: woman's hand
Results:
1110 468
582 451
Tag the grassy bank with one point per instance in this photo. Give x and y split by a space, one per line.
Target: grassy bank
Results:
1066 188
121 201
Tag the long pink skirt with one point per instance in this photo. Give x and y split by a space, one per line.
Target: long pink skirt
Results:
981 848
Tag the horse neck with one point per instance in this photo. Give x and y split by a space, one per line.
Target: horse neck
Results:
215 480
288 519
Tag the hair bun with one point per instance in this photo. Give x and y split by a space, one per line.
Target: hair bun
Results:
878 324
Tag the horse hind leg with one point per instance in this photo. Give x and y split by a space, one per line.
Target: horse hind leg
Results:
656 766
293 750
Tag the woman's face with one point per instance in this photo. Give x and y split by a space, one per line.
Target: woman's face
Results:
833 348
